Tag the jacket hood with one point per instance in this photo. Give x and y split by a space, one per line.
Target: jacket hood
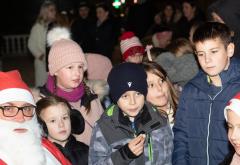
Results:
227 76
229 11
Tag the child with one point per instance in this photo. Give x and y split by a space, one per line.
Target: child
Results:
67 64
131 48
179 63
162 37
200 136
161 92
232 116
55 117
131 131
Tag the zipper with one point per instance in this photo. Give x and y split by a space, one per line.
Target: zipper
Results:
150 149
209 122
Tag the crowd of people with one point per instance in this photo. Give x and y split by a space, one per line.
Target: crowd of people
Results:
172 99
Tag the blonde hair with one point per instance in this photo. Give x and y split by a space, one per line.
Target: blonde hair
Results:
43 13
180 46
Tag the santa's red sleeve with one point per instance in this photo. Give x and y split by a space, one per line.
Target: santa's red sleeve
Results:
54 150
2 162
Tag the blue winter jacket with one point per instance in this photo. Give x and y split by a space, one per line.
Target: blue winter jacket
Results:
200 134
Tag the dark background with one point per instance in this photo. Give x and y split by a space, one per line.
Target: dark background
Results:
17 16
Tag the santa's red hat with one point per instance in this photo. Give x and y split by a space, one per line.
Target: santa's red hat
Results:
233 105
12 88
130 45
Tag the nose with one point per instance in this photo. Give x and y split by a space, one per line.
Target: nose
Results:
207 58
19 117
159 87
132 100
61 124
77 72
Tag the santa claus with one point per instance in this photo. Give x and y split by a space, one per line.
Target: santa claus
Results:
21 142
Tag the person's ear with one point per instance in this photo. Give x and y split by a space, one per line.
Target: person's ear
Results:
230 49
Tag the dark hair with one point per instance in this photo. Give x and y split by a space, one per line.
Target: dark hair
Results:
163 17
156 69
47 102
50 101
212 30
191 2
103 5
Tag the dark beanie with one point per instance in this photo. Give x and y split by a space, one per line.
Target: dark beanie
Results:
127 77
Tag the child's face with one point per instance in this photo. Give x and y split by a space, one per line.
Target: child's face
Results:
158 91
58 123
137 58
70 76
234 130
131 102
164 39
213 56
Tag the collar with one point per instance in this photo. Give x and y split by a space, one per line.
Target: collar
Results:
146 121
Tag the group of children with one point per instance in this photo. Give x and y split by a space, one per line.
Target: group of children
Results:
137 127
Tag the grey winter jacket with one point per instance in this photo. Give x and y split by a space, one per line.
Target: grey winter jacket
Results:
113 131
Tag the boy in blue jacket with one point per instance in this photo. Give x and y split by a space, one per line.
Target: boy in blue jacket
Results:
200 134
131 131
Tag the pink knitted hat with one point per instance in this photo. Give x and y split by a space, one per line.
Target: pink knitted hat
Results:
64 51
98 66
233 105
130 45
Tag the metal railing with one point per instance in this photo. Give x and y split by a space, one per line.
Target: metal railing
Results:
14 45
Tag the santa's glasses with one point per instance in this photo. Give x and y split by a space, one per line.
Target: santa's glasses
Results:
11 111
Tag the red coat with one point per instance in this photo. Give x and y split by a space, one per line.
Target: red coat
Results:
53 149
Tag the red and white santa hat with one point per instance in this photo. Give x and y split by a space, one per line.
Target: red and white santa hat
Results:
130 45
12 88
233 105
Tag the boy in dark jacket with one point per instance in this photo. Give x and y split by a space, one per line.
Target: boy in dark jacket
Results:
200 134
132 131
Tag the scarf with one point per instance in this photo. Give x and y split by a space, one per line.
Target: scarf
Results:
72 96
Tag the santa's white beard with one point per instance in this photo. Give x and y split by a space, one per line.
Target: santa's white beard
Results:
22 148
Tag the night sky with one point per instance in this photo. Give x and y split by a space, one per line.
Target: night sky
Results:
18 16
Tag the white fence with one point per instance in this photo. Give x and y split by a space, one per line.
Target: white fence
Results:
14 45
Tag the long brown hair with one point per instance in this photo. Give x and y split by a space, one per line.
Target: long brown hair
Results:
156 69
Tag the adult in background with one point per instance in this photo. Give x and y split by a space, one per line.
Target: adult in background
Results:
37 40
83 28
106 32
191 15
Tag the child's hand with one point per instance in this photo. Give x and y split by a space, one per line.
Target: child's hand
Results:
137 144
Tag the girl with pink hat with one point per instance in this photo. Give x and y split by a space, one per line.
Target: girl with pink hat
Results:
67 65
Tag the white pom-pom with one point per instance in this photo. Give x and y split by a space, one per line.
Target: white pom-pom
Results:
58 33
